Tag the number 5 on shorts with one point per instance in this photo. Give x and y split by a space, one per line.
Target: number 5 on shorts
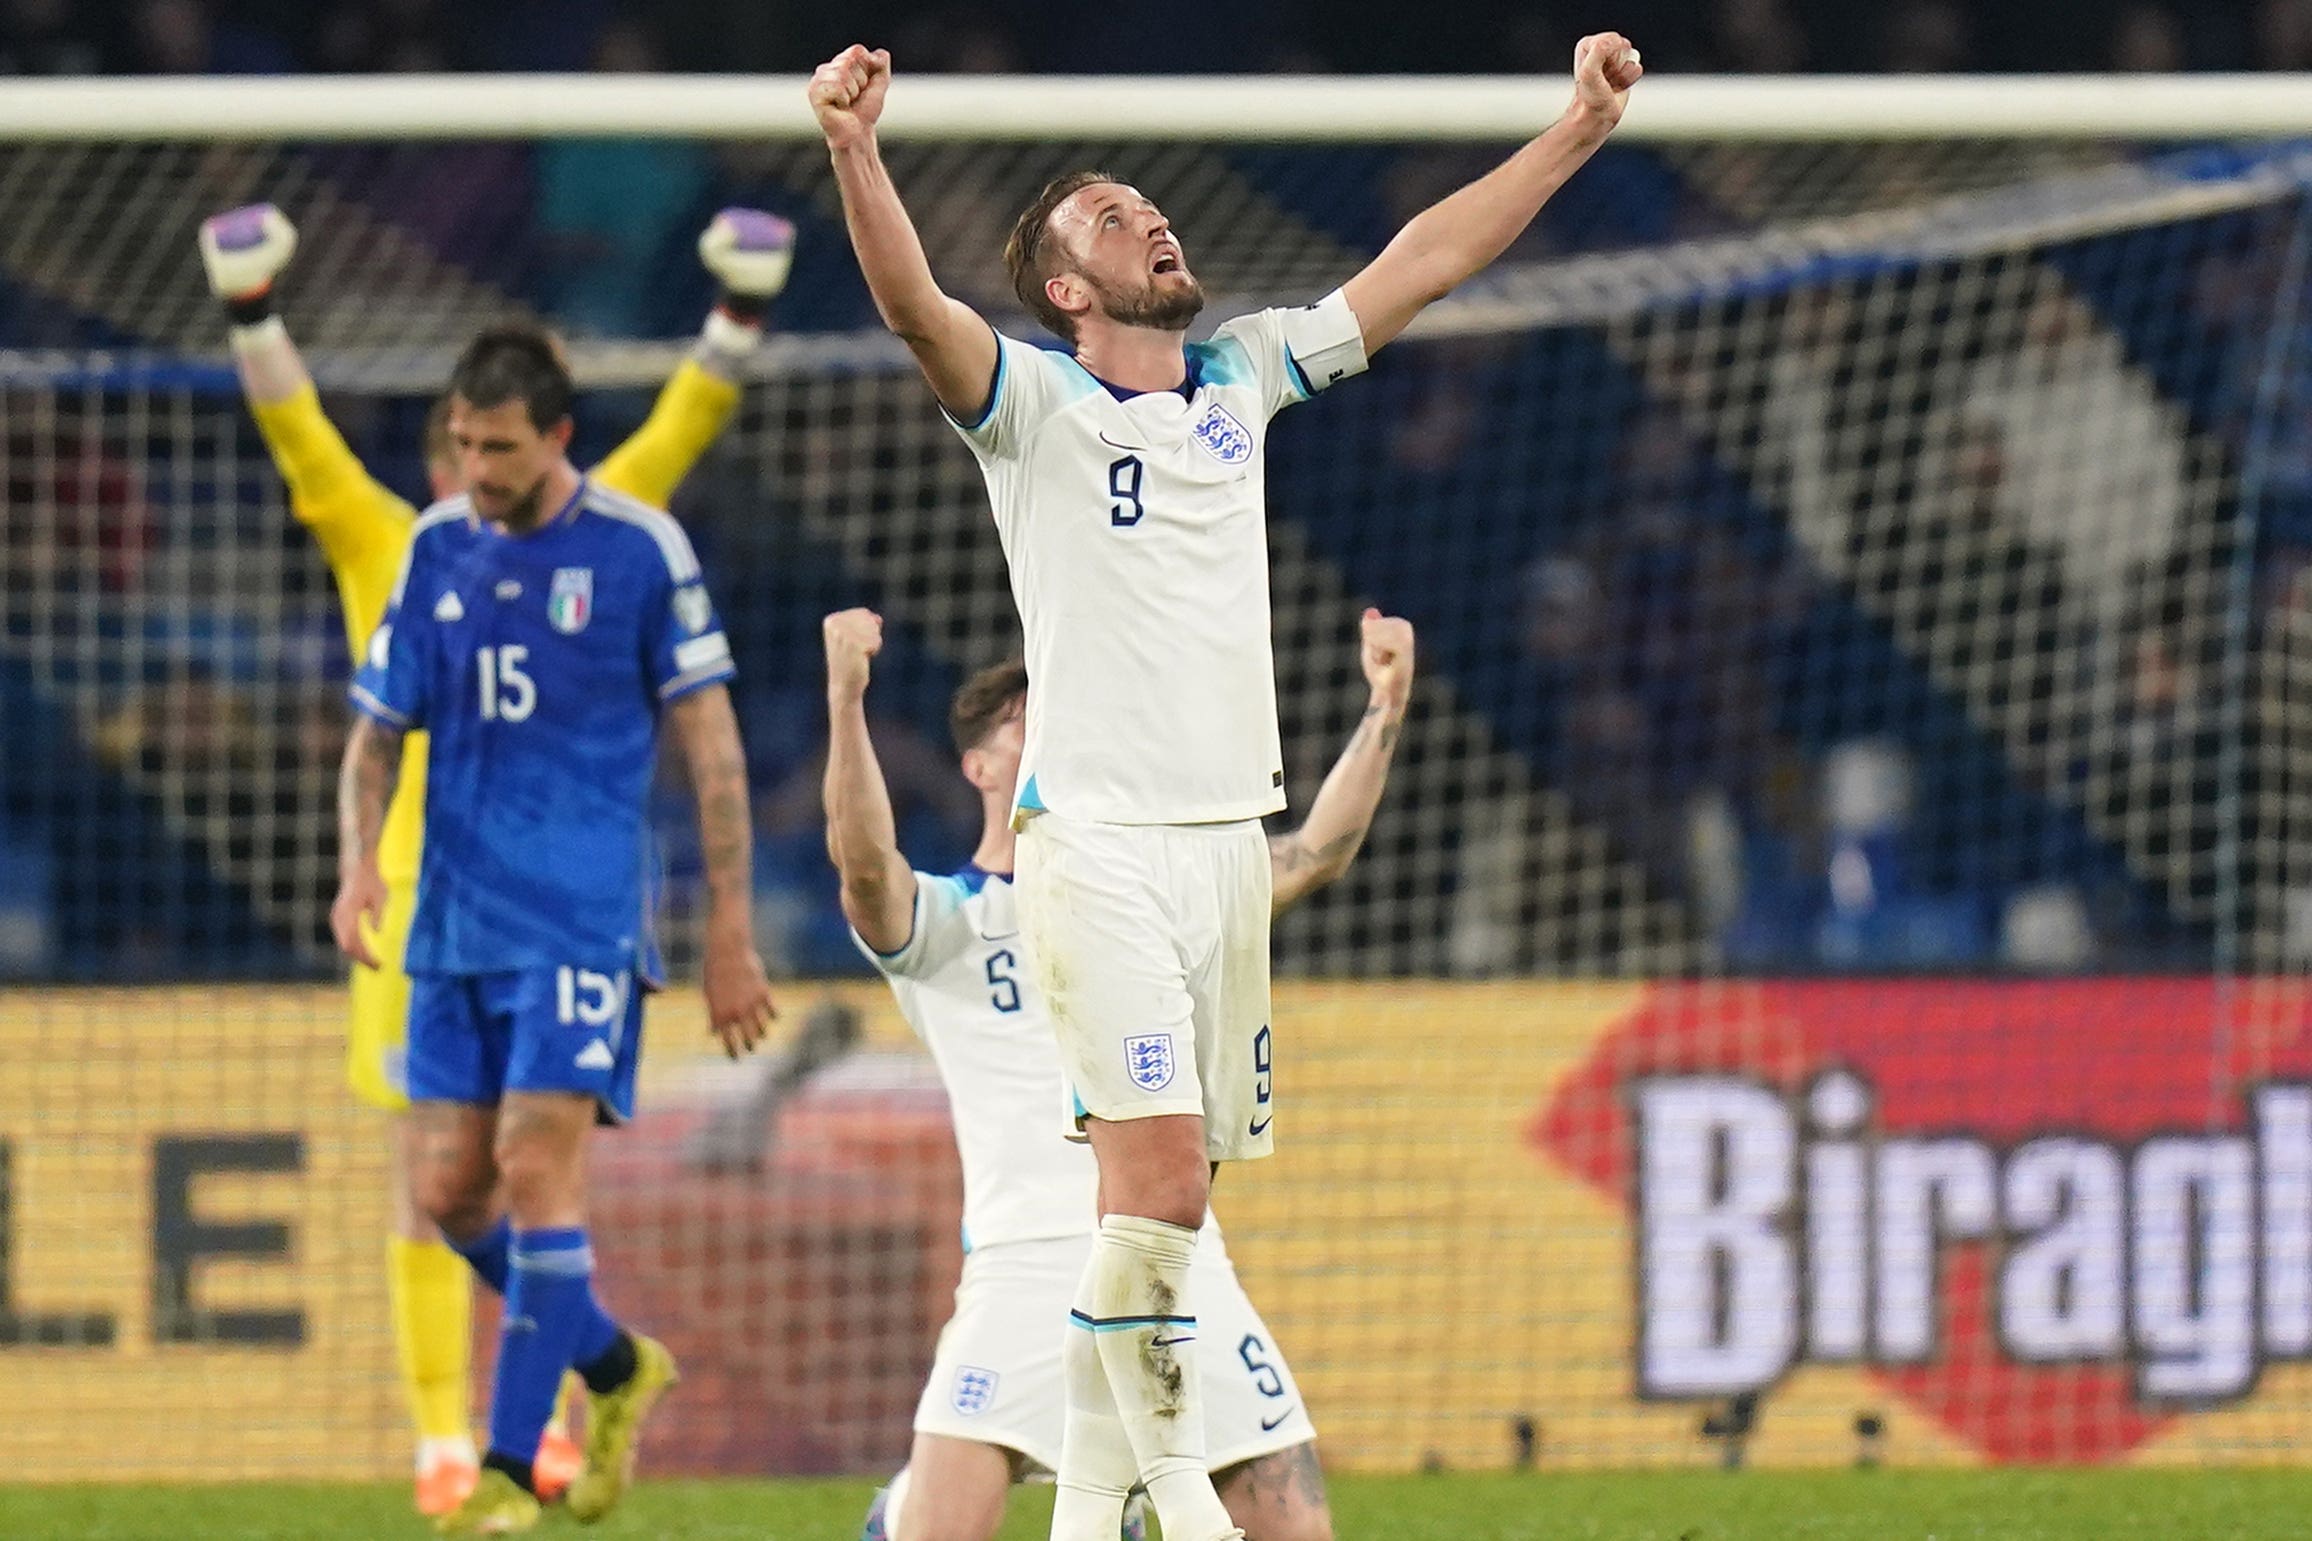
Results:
587 998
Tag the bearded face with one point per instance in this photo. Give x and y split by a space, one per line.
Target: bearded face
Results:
1122 249
1166 301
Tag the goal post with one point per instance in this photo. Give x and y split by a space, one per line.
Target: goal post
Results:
1199 108
1831 953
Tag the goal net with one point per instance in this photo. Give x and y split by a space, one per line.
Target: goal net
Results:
1824 985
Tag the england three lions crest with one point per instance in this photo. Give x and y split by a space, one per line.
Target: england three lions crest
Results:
1223 437
1148 1060
974 1390
570 604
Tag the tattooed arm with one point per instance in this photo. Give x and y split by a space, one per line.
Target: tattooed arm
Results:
738 995
1326 842
365 784
1278 1495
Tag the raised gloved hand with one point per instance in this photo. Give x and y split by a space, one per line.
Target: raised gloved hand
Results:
245 249
750 251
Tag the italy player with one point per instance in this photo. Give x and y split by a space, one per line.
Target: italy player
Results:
995 1406
363 529
1125 477
540 629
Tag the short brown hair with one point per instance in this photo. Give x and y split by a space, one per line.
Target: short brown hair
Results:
1026 255
515 361
984 701
436 445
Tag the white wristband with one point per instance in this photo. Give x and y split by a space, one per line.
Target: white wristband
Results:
266 334
727 342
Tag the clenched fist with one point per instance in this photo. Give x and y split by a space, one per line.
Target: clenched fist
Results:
847 94
1386 651
1605 66
749 251
853 637
243 250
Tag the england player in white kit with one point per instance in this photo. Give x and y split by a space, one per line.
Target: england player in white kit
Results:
951 947
1125 478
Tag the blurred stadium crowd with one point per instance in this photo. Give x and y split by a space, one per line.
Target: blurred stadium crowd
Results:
68 37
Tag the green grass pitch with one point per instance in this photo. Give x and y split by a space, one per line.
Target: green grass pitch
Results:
1679 1506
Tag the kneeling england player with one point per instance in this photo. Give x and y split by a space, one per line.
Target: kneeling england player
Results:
997 1402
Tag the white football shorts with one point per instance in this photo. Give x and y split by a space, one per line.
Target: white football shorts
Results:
1150 945
997 1379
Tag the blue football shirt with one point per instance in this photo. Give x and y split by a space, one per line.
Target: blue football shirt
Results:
539 664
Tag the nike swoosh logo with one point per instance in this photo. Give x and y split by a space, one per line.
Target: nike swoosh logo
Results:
1112 444
1168 1342
1268 1425
1000 936
1262 1127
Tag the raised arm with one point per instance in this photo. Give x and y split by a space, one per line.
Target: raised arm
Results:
362 527
738 995
272 371
750 253
244 251
365 783
862 837
1453 240
953 345
1327 840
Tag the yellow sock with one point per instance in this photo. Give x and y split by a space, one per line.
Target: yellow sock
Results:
433 1330
559 1423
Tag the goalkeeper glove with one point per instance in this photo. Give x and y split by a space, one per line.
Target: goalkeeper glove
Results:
751 252
244 250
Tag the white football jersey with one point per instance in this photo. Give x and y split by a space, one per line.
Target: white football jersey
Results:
964 986
1136 529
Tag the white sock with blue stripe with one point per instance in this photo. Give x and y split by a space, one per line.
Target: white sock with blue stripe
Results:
1141 1321
1097 1467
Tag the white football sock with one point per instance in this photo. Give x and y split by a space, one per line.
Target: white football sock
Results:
1097 1467
1145 1326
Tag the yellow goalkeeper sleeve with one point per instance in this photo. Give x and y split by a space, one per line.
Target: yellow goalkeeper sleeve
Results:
362 527
363 531
691 409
